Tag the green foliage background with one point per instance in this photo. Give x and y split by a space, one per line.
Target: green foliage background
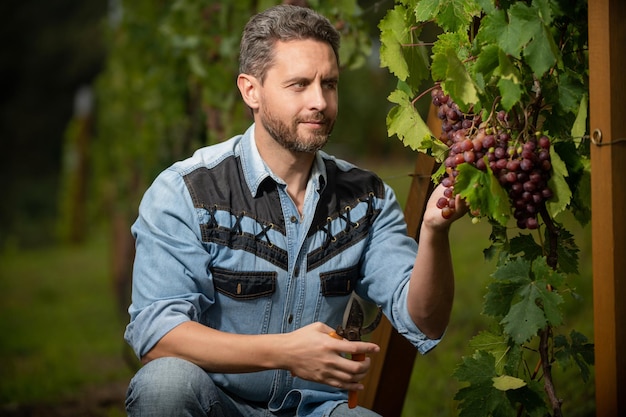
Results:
168 86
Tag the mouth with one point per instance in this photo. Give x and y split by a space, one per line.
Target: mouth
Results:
315 123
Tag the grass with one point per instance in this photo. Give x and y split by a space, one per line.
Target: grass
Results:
62 332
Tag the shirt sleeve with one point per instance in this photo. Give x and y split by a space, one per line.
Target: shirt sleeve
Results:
387 264
171 284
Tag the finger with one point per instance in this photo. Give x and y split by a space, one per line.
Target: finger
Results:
354 348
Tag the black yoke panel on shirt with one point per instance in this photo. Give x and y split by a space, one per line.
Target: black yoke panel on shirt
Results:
223 188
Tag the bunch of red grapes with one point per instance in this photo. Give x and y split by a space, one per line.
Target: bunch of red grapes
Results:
522 166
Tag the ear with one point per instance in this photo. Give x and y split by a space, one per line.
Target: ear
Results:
249 88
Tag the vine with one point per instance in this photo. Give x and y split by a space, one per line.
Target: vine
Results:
509 81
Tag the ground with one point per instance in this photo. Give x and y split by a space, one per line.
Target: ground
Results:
100 401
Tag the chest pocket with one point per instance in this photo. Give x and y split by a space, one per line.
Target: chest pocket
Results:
243 285
340 282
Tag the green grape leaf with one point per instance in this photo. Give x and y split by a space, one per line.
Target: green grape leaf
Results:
477 368
452 16
456 43
546 282
510 81
544 10
511 93
567 252
458 82
404 121
416 57
487 61
491 27
455 15
510 277
480 398
537 305
525 243
507 382
524 25
517 270
541 271
579 178
482 192
525 29
495 344
580 351
557 183
499 298
532 396
580 124
499 248
393 33
437 149
541 53
572 95
550 302
525 317
486 5
426 10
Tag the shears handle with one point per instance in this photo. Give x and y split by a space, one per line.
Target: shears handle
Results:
353 396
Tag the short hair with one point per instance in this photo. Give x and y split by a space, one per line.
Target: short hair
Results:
281 23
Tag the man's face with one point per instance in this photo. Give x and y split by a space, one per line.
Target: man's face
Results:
298 104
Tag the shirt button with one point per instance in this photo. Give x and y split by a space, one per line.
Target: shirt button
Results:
290 319
296 271
294 219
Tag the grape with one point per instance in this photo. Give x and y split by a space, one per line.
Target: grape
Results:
544 142
526 164
511 177
531 223
489 141
520 162
447 212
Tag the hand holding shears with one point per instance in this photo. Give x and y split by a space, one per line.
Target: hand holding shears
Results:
353 329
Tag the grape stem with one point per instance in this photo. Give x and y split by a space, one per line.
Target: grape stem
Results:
493 108
423 93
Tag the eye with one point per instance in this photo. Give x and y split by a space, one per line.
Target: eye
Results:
299 84
330 85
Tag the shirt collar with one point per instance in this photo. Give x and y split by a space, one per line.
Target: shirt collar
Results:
256 170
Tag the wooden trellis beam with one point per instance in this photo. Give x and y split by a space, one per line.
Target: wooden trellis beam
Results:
607 89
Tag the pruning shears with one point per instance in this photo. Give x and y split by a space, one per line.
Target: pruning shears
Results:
353 329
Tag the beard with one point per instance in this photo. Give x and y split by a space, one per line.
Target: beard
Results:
287 134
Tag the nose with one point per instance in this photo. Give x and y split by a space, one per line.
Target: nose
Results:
318 99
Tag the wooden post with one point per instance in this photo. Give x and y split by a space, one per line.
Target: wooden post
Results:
607 85
387 382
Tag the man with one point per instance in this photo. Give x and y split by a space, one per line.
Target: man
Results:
248 251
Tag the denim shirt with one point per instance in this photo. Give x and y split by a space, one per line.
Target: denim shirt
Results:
220 242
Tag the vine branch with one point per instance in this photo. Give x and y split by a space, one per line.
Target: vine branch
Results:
544 337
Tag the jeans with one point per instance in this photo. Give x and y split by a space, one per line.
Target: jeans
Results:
175 387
